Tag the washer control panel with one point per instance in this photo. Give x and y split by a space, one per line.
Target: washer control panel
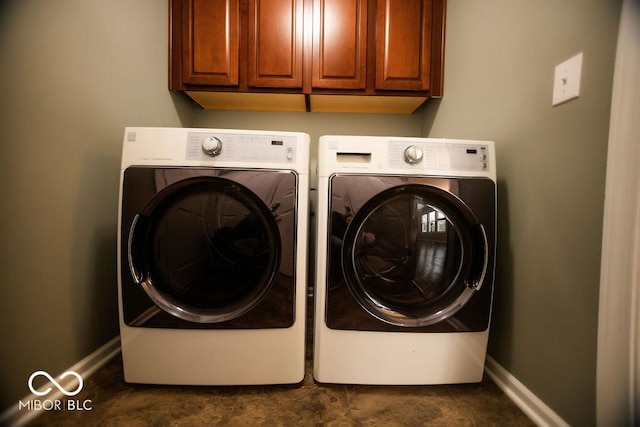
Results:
241 147
438 155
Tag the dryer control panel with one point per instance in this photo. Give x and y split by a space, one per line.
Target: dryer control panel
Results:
219 148
239 147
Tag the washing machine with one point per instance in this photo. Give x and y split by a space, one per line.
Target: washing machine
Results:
406 231
212 248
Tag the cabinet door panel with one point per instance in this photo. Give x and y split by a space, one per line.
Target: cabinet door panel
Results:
339 44
210 41
403 44
275 43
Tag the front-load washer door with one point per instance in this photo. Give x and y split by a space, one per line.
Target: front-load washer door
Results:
207 247
410 253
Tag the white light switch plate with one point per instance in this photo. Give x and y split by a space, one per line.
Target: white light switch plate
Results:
566 82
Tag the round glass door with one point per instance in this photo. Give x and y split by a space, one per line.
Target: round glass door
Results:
205 249
413 255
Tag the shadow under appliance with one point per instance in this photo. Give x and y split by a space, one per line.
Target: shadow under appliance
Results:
405 259
212 248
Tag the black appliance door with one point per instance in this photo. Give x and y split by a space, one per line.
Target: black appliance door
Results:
207 249
412 255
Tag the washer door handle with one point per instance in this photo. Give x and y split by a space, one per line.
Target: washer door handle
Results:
480 257
132 246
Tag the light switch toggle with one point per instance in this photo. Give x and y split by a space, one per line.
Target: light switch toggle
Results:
566 82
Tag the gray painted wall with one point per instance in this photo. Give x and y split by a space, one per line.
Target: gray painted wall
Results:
500 60
74 73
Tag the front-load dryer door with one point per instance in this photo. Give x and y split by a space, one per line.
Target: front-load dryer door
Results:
412 253
207 247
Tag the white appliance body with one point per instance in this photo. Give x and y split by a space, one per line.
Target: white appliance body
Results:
212 249
405 259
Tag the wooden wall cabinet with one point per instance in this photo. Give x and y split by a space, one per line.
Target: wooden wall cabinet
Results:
307 55
339 44
403 47
210 47
275 41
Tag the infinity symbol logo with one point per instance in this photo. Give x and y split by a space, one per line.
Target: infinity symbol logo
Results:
55 383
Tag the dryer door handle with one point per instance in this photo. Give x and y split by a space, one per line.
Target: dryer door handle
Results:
480 257
133 245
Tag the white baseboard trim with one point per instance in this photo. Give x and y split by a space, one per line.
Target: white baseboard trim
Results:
524 399
14 416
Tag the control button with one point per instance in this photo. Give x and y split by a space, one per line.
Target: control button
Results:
483 165
289 156
212 146
413 154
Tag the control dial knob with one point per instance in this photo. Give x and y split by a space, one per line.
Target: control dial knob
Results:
413 154
212 146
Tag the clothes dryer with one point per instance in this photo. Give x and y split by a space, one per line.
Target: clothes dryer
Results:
406 231
212 249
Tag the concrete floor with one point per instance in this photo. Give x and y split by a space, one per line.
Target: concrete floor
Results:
116 403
